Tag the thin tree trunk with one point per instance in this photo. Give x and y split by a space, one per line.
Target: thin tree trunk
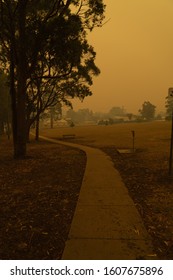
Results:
37 128
1 127
13 101
8 119
20 147
20 151
51 119
28 125
8 130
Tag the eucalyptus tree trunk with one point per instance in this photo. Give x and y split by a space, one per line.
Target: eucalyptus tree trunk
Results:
13 99
37 128
20 148
18 114
20 118
1 127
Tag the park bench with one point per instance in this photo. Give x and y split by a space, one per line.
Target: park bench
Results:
68 136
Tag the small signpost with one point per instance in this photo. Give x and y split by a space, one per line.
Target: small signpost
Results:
170 94
133 141
129 150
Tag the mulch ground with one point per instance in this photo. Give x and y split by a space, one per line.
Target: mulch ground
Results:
38 197
145 174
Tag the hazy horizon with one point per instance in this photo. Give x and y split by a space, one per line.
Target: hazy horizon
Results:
135 55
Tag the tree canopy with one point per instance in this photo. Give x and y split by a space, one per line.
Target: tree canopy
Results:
117 111
45 52
169 105
148 110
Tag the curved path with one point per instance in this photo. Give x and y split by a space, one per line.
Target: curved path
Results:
106 224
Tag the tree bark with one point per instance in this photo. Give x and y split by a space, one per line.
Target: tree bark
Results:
1 127
20 143
13 99
37 128
20 148
51 119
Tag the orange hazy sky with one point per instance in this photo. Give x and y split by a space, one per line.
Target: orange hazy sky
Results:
135 55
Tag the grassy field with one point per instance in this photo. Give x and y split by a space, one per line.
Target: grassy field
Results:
149 135
151 138
144 172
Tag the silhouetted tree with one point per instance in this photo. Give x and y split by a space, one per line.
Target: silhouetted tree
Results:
80 116
148 111
43 45
169 107
130 115
116 111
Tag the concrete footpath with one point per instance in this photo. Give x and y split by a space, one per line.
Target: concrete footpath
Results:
106 224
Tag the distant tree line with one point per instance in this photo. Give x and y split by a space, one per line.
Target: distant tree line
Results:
115 115
118 114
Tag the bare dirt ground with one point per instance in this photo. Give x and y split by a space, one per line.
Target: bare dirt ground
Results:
144 172
38 196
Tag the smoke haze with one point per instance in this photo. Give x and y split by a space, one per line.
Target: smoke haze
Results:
135 56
